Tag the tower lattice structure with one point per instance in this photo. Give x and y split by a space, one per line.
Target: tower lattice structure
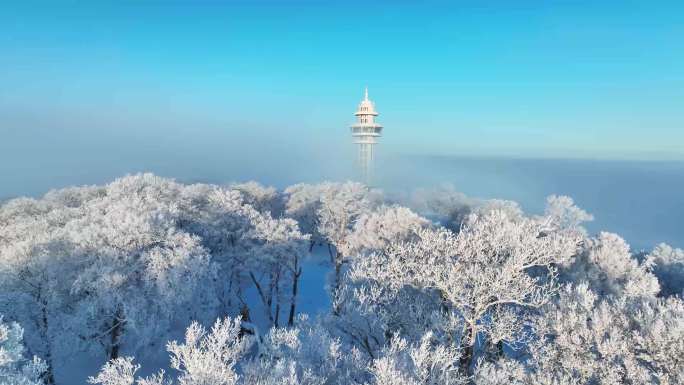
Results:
365 133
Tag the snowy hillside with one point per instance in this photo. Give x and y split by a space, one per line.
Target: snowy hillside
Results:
329 283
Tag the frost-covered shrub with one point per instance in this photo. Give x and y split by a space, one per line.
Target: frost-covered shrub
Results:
562 213
14 368
592 339
668 266
306 354
205 357
424 363
607 265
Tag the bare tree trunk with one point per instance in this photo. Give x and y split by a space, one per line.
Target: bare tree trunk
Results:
445 306
276 287
338 274
116 333
244 308
264 299
336 284
49 373
332 255
295 283
469 339
244 314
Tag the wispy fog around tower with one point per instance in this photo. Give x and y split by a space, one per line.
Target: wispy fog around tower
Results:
365 132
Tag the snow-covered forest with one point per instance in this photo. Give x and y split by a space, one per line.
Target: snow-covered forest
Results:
427 287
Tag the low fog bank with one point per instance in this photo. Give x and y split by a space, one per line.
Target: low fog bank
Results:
640 200
33 172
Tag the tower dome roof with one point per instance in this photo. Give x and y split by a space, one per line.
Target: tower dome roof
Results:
366 107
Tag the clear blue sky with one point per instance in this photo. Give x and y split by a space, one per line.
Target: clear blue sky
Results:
597 79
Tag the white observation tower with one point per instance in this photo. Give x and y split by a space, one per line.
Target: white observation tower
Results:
365 131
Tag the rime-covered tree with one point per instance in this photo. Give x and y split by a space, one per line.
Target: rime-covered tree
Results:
444 203
668 266
451 207
341 205
609 340
607 265
375 230
562 213
276 247
425 362
485 277
304 355
97 262
204 358
328 211
140 270
220 219
15 369
302 202
263 199
36 269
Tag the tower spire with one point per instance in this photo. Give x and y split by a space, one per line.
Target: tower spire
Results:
365 95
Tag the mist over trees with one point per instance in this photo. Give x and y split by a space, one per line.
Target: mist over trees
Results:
430 288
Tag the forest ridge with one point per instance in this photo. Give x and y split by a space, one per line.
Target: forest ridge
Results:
431 287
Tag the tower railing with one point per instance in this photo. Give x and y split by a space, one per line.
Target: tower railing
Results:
372 131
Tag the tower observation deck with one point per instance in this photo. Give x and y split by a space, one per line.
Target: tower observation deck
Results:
365 133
